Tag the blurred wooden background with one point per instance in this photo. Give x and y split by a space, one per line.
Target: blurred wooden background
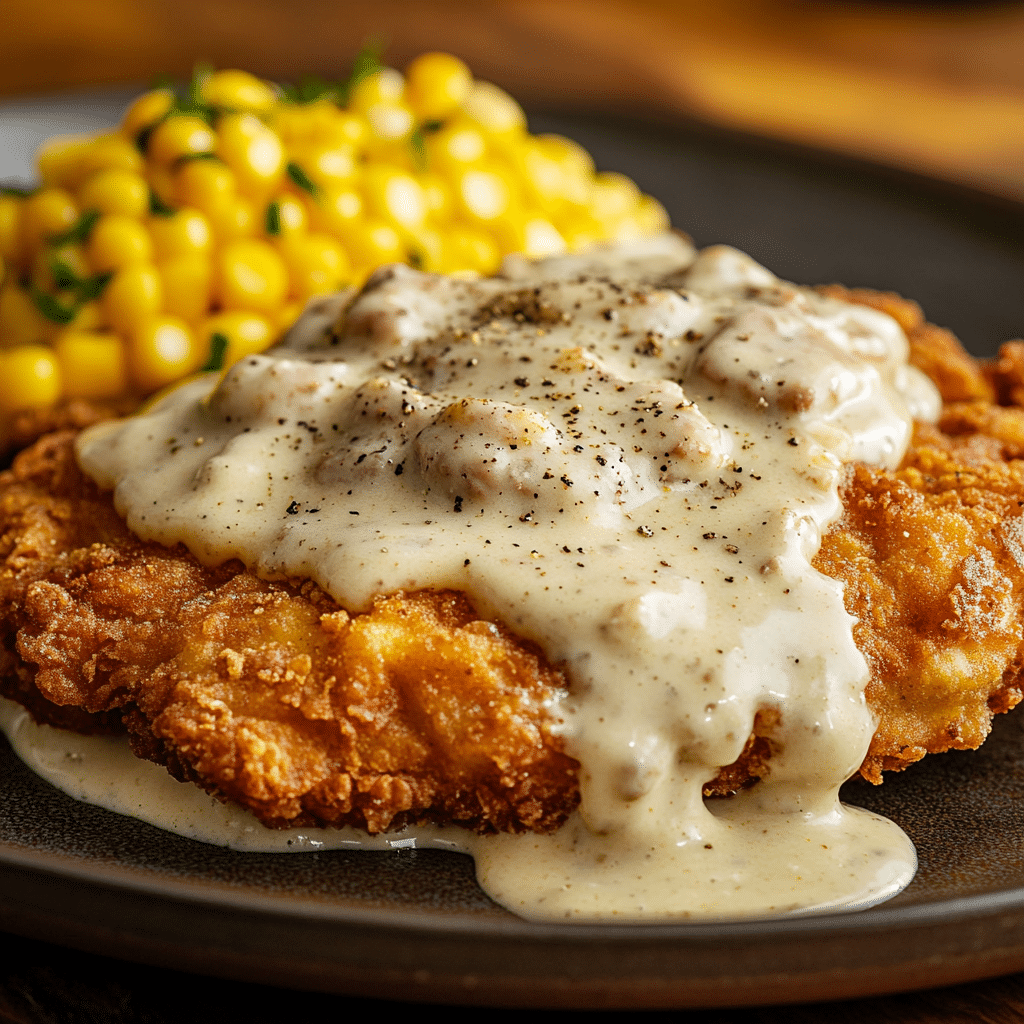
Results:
937 88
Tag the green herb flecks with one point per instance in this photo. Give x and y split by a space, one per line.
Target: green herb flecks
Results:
418 142
190 99
52 308
186 100
188 158
218 349
367 62
63 275
302 179
158 207
309 90
92 287
76 292
273 222
79 231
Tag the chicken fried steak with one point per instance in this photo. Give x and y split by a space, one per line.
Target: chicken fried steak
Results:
269 695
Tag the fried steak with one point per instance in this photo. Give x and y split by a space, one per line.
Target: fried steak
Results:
269 695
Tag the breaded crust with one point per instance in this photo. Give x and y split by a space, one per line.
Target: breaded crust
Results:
269 695
932 554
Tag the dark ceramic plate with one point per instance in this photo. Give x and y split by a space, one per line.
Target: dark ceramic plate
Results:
413 924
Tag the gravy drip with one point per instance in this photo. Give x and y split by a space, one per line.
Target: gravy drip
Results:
629 458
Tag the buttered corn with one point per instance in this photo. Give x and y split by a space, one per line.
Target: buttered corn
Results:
193 234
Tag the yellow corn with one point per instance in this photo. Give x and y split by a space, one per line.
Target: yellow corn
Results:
160 351
92 363
223 215
31 378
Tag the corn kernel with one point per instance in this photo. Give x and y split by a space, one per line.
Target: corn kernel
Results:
554 175
457 144
327 166
542 239
249 274
181 135
184 233
651 216
235 218
436 84
371 242
204 184
384 86
494 111
579 229
115 191
237 90
31 378
144 112
471 249
482 195
533 236
161 351
90 316
334 209
247 333
395 196
133 297
291 215
390 121
614 196
316 264
304 122
162 184
187 286
117 241
343 128
21 323
253 151
436 196
57 159
106 153
428 249
290 312
49 212
92 364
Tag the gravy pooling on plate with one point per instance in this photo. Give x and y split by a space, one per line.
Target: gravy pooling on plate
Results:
629 458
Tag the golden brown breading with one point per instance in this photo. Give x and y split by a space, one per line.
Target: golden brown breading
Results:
932 558
932 555
28 425
269 695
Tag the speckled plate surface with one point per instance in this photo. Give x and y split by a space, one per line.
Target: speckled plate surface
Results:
412 924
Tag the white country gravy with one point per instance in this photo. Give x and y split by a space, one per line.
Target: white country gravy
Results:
629 458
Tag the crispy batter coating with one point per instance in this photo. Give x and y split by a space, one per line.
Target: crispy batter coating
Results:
270 695
267 693
28 425
932 555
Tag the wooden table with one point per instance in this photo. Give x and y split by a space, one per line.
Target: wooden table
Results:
939 90
936 88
